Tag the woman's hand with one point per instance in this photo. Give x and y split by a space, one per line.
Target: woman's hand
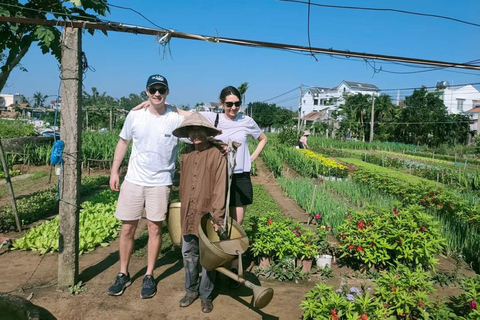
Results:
143 105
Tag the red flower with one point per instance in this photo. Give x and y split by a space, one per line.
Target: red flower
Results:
473 304
334 315
318 216
395 211
360 249
394 289
269 221
421 304
350 246
363 317
327 228
423 228
372 245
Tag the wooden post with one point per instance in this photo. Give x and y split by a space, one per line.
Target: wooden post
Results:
71 130
10 187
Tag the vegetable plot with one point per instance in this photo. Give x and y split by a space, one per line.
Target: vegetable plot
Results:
98 226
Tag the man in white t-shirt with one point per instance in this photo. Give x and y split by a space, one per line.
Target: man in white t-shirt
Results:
148 180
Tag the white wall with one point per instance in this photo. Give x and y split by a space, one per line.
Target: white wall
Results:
466 96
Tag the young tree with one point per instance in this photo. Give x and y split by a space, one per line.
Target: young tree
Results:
16 38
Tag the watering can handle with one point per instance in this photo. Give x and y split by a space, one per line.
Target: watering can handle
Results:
231 152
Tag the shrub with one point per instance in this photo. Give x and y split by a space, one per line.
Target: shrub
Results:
380 238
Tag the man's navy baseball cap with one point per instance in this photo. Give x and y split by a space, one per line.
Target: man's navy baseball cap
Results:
157 79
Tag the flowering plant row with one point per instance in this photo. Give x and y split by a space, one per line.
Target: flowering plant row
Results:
325 166
444 201
277 239
380 238
400 293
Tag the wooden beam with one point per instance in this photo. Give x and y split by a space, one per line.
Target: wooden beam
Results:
71 129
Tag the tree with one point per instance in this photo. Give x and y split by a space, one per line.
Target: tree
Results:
352 114
39 99
426 120
243 89
16 38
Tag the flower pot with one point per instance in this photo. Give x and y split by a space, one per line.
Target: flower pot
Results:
323 261
306 264
265 262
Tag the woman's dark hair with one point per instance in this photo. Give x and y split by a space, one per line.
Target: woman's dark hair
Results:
228 91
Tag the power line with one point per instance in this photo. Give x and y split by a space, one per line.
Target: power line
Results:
166 35
281 94
384 9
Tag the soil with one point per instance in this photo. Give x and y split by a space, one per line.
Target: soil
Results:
34 276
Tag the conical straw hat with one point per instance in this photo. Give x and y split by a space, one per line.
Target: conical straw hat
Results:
195 120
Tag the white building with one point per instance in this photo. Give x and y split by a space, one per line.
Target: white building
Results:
460 100
7 100
316 99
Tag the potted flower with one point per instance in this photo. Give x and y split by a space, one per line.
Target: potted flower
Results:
308 251
276 239
325 248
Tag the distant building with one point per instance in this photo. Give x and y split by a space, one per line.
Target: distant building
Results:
461 100
6 100
327 100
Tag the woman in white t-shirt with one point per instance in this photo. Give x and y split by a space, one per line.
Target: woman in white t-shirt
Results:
238 127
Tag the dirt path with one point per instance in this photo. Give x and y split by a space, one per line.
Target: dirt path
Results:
27 273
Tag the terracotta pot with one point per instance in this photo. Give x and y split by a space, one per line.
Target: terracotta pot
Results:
306 265
265 262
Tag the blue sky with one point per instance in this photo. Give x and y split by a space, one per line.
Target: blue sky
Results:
197 71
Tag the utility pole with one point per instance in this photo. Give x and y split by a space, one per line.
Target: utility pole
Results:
372 116
71 132
299 108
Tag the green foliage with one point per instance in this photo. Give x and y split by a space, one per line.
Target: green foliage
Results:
324 303
405 292
77 289
42 204
466 303
283 270
288 137
97 226
440 128
381 238
16 38
315 200
280 238
15 129
398 294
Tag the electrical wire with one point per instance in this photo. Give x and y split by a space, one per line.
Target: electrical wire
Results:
384 9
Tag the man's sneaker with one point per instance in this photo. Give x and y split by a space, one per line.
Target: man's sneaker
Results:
149 287
121 282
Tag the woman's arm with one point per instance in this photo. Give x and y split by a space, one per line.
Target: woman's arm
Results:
262 141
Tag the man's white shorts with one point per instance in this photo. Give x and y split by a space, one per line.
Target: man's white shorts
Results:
134 198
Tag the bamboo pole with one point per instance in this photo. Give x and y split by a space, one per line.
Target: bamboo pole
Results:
10 187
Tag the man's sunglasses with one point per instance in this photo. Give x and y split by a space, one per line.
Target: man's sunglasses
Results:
161 90
230 104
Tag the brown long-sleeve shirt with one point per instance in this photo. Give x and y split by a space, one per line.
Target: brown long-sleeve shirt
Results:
203 180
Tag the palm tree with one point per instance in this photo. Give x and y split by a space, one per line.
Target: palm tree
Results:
243 89
39 99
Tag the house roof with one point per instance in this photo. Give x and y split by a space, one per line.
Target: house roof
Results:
314 115
360 86
317 90
474 110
